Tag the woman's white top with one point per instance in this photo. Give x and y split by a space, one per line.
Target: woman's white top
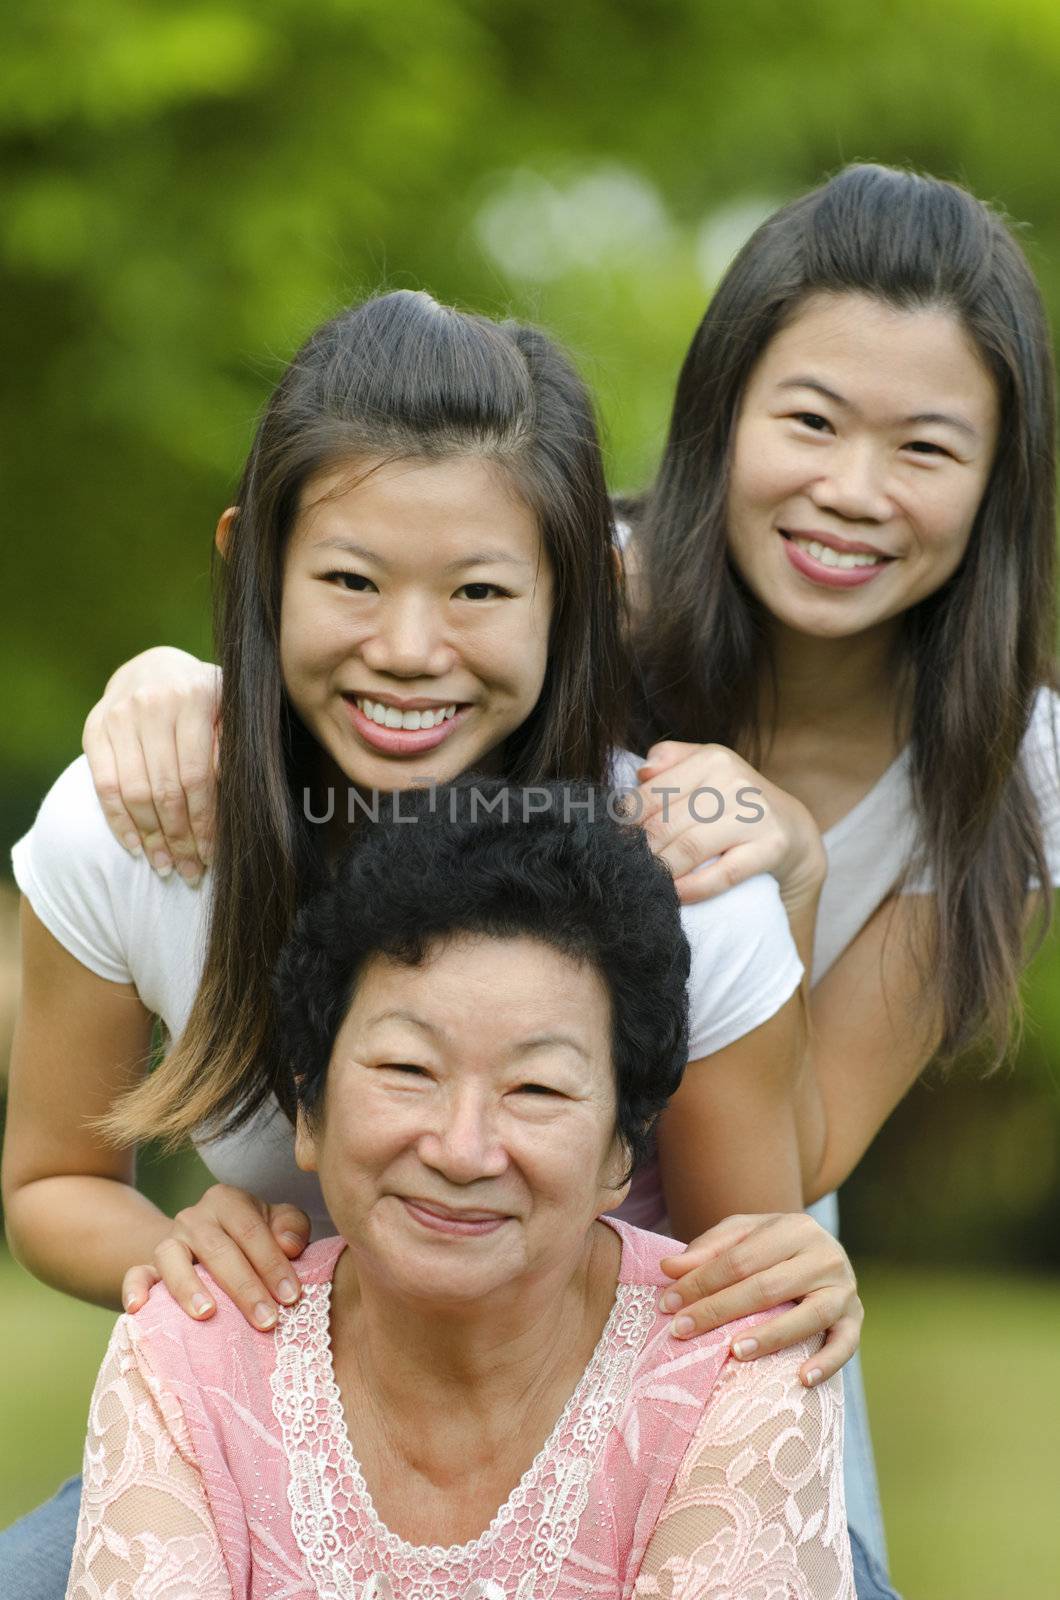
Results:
869 849
126 924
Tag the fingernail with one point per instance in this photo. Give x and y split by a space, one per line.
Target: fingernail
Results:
293 1239
671 1301
131 841
132 1301
681 1326
813 1376
161 863
200 1305
191 874
744 1347
264 1315
287 1291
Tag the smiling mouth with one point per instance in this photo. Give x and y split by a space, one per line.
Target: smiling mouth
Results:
829 556
464 1224
386 716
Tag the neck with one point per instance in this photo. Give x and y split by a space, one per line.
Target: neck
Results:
480 1355
839 687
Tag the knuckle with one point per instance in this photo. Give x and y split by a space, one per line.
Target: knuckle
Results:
137 794
196 774
769 1289
736 1262
168 795
170 1250
247 1230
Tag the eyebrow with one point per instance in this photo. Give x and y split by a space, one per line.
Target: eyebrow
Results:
548 1041
481 558
947 419
539 1041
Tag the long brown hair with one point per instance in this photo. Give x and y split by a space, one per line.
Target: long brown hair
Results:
396 378
978 649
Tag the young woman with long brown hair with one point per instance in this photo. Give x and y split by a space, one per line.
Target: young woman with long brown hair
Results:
419 581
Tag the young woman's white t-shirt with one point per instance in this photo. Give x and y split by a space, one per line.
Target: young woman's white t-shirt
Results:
123 922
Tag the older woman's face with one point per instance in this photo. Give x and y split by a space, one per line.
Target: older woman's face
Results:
467 1134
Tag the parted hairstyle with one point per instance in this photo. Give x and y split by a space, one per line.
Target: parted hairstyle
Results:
973 654
397 378
554 863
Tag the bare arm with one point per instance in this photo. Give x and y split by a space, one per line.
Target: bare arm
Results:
874 1030
74 1217
727 1140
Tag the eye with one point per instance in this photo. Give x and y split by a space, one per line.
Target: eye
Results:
353 582
925 447
812 420
407 1069
482 591
538 1088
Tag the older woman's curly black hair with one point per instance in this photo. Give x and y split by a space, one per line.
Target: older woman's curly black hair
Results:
554 862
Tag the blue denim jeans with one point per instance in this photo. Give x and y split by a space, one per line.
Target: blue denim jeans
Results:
864 1513
36 1551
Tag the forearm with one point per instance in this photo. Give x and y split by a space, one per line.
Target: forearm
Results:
873 1030
81 1234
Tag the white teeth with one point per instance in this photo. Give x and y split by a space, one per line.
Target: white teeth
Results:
837 558
408 721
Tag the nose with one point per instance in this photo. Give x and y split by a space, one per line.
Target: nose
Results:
409 640
855 486
463 1143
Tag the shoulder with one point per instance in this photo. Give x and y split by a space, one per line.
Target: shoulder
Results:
1041 742
1041 761
84 887
642 1252
70 820
624 765
161 1318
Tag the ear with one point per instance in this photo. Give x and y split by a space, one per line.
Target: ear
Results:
616 1184
305 1145
224 529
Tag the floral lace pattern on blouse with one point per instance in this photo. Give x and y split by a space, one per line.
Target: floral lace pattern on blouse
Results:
218 1467
348 1550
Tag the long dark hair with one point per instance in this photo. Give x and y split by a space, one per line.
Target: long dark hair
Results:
977 650
396 378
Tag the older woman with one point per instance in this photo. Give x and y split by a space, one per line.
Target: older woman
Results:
477 1397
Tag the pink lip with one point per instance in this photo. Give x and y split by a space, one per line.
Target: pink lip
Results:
401 741
851 546
468 1225
831 577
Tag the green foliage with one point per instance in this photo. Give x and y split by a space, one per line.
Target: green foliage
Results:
189 187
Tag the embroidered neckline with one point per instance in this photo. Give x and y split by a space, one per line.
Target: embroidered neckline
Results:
336 1538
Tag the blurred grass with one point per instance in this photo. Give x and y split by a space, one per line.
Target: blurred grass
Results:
963 1373
963 1378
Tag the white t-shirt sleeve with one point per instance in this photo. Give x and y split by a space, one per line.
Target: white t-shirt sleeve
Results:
76 875
1041 754
744 964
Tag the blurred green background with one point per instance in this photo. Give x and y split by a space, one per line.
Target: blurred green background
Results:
189 188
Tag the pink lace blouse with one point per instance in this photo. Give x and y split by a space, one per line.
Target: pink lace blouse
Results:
218 1466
